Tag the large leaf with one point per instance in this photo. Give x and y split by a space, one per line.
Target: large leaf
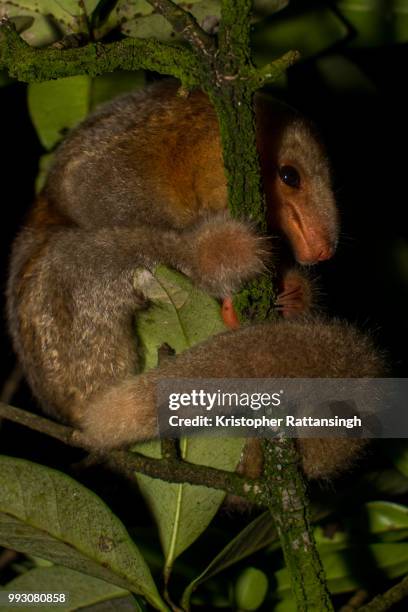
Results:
250 589
259 534
310 31
138 20
180 316
42 22
107 86
375 22
255 536
386 520
327 544
58 106
183 511
81 590
391 560
45 513
50 19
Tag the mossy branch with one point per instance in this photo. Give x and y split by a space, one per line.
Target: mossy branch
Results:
29 64
290 510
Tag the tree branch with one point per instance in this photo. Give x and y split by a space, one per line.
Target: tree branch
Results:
272 71
63 433
186 25
170 468
234 34
385 601
289 507
179 471
30 64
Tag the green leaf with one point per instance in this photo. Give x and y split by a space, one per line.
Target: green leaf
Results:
398 452
39 562
81 590
391 560
39 30
259 533
50 19
399 25
107 86
47 514
44 165
183 511
268 7
251 589
376 22
286 605
325 544
53 19
121 604
310 32
150 26
339 557
386 519
57 106
138 20
180 314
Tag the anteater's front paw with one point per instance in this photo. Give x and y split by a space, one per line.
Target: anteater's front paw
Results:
228 253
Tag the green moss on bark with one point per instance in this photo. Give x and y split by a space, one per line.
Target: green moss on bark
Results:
288 502
30 65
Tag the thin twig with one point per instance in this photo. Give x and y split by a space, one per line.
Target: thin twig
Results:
383 602
186 25
355 602
63 433
11 384
31 64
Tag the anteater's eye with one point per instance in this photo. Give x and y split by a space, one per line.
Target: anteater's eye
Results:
290 176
